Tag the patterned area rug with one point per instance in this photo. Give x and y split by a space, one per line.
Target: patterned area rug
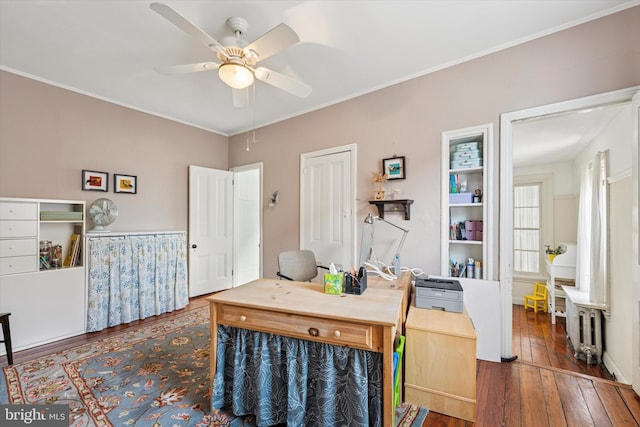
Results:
154 376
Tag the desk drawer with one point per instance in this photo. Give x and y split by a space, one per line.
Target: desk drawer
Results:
368 337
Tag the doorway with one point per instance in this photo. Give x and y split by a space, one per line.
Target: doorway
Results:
247 224
225 227
507 123
327 205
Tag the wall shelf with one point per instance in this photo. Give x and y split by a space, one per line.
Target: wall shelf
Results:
406 206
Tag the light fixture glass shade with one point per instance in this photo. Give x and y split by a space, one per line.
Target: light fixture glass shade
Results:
235 75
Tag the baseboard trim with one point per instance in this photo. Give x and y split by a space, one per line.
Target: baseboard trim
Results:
613 369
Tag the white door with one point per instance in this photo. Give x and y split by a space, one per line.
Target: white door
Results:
327 198
210 230
247 230
635 241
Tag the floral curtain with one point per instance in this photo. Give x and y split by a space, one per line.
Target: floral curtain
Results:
132 277
301 383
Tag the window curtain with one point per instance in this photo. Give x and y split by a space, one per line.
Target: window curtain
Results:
298 382
591 263
132 277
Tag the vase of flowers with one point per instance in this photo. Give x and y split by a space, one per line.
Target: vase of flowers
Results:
552 253
380 179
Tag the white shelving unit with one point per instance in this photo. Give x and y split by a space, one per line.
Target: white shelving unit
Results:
45 304
474 175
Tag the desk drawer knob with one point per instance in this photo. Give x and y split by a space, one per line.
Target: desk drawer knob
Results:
314 332
243 318
337 334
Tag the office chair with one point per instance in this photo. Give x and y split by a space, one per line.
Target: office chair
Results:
300 266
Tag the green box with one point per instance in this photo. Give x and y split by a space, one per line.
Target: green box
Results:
333 283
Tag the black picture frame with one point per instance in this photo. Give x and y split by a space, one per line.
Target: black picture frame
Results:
95 180
127 184
395 168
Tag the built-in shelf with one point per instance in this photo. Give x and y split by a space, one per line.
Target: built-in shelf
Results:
405 203
466 173
466 242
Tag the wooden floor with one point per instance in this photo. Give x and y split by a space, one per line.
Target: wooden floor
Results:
544 386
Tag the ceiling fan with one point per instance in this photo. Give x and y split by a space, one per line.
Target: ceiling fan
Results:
238 59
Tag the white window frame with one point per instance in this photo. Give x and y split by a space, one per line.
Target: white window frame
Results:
545 181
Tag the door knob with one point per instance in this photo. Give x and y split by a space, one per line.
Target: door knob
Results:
194 246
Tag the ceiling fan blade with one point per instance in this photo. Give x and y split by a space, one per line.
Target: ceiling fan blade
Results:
275 40
288 84
240 97
188 68
185 25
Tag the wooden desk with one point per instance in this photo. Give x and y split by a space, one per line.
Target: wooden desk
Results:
403 284
302 310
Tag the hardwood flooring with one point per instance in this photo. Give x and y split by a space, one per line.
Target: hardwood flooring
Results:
544 386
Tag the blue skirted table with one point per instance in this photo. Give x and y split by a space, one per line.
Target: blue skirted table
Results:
287 352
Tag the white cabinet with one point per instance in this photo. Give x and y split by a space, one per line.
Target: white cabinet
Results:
561 270
466 195
46 304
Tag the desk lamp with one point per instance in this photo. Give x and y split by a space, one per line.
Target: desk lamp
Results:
366 249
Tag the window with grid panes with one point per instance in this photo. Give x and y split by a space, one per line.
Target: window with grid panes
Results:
527 242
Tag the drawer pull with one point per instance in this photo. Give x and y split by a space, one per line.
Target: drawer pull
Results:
314 332
243 318
337 334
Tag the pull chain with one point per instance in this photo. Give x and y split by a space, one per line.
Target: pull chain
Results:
252 100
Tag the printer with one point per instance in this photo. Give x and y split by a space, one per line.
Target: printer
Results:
439 294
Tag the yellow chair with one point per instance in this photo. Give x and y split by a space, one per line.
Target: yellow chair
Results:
539 296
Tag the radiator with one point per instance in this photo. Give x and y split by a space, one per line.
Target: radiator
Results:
584 331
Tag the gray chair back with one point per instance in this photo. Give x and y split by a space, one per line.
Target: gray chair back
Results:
299 265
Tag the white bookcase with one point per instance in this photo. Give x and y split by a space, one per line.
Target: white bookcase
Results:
466 165
46 304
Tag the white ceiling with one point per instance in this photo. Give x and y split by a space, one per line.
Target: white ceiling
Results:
560 137
108 49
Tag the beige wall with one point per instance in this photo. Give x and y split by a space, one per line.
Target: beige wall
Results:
49 135
408 118
565 219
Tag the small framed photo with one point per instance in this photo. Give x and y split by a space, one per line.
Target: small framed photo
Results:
95 181
394 167
125 184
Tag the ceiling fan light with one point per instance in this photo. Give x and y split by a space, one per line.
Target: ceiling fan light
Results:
235 75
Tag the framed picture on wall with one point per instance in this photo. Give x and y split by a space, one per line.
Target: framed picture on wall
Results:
394 167
95 181
125 184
